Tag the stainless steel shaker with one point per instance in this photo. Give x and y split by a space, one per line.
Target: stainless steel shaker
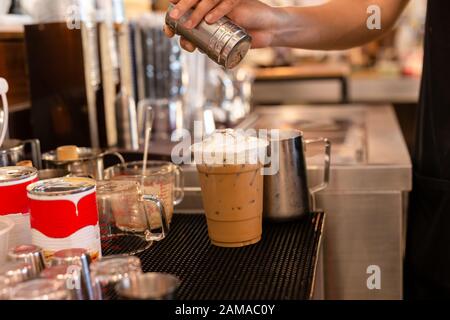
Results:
148 286
89 162
223 41
286 192
31 254
78 263
13 151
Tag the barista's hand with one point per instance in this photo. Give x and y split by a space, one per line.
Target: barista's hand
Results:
256 17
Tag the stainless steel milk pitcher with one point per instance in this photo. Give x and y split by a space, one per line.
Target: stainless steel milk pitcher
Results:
286 192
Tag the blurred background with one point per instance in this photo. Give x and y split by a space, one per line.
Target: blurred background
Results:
142 64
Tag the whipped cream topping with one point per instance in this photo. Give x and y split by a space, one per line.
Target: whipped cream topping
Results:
229 140
229 146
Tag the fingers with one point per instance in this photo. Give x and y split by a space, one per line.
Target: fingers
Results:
186 45
168 31
199 13
212 9
181 8
224 8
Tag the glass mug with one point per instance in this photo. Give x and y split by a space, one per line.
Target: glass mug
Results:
161 179
125 219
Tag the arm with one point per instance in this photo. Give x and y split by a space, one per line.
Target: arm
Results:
336 25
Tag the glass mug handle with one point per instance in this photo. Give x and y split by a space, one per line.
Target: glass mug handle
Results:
35 152
150 236
113 153
326 169
100 169
179 186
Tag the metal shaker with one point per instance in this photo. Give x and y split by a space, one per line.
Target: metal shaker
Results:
224 42
11 274
65 274
78 263
148 286
31 254
286 192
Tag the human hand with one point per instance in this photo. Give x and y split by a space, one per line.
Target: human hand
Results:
256 17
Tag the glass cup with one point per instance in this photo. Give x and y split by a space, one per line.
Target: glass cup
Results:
232 187
125 217
161 179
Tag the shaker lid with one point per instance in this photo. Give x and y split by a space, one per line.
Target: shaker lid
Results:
61 186
10 174
236 49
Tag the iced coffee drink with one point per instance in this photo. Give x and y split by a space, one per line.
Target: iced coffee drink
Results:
232 187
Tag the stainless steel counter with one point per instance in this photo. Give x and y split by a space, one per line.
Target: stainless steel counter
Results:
365 202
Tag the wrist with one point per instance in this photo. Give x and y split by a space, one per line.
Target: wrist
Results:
282 21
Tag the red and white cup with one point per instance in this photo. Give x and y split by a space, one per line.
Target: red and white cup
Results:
14 201
64 215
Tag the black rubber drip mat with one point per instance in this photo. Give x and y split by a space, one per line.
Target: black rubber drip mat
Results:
280 267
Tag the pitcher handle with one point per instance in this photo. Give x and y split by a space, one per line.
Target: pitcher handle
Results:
150 236
326 169
113 153
4 128
179 186
101 172
35 152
